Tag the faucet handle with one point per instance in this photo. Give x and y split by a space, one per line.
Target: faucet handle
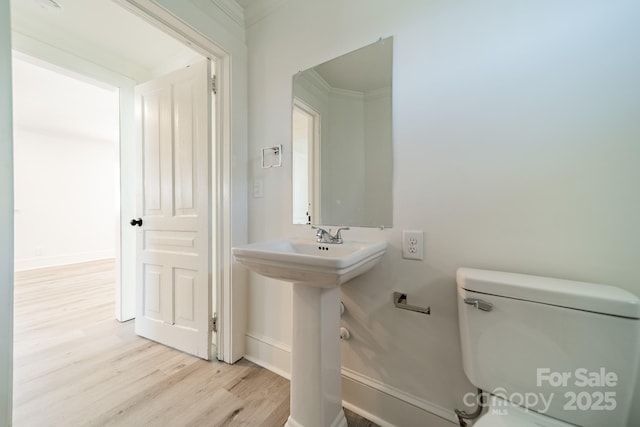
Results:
325 236
338 236
340 229
321 233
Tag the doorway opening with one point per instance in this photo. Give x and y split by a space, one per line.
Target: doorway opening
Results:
65 161
93 62
305 133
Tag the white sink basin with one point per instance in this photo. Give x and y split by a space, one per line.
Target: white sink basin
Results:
309 263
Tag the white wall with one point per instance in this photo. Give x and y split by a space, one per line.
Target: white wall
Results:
65 146
342 151
6 220
378 157
65 199
515 148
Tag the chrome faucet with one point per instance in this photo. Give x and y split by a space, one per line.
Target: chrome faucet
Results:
324 236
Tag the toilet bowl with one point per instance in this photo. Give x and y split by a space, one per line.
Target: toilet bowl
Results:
550 352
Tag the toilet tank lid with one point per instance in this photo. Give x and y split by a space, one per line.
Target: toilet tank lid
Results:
564 293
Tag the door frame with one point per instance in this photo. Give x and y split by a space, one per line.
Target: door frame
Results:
227 347
315 156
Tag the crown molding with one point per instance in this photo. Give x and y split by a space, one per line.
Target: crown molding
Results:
316 80
384 92
346 93
257 10
232 9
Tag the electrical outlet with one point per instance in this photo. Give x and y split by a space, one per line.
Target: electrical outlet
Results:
258 189
412 245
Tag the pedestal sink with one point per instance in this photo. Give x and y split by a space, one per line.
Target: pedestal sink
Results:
317 270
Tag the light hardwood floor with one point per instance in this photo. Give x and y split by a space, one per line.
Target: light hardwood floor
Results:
75 365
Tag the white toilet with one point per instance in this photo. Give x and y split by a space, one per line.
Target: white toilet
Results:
551 352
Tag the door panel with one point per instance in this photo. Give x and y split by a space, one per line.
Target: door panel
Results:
174 289
152 284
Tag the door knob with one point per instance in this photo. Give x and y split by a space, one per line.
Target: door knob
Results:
135 222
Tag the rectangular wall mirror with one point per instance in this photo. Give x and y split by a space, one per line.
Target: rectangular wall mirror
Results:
342 149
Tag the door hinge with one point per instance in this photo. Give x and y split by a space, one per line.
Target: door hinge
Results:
213 323
214 84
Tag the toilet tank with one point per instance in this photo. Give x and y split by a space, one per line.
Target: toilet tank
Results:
569 350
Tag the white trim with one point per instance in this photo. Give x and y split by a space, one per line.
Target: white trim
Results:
269 353
346 93
276 357
313 78
315 160
35 52
383 92
52 261
257 10
164 20
125 242
425 405
6 219
109 61
368 415
232 9
270 341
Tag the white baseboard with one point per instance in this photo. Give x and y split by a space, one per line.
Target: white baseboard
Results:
388 406
269 353
383 404
52 261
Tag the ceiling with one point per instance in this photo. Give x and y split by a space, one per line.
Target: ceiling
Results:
50 99
103 32
99 31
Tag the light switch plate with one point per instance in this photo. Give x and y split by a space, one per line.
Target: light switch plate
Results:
258 189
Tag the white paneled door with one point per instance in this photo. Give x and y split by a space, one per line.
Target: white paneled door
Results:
173 290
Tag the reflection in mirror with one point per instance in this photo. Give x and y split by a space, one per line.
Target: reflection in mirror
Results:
305 143
342 140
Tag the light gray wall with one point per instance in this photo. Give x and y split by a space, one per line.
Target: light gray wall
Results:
516 148
378 154
342 152
6 219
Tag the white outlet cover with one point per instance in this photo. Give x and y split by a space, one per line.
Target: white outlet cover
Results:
413 244
258 189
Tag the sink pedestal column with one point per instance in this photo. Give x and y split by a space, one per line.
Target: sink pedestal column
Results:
316 387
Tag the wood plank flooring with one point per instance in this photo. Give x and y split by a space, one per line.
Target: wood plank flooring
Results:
75 365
